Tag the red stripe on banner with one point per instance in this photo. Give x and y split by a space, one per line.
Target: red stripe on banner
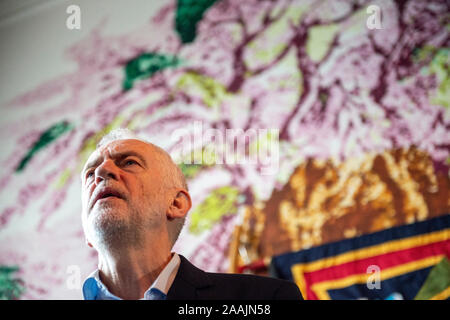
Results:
383 261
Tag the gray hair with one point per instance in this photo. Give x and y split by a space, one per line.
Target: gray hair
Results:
174 177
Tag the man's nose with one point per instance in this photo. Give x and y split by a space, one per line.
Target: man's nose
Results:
107 170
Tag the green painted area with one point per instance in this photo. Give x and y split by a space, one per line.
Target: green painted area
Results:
448 160
197 160
296 12
439 59
190 170
211 91
423 53
220 202
50 135
440 67
267 55
319 41
264 143
146 65
188 14
436 282
11 288
270 44
323 98
63 178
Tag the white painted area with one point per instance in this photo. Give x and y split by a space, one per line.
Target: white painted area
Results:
34 36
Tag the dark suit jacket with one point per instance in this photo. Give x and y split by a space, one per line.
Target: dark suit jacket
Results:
192 283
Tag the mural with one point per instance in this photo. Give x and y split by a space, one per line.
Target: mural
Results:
362 114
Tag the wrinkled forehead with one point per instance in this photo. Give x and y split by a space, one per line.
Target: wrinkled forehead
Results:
119 147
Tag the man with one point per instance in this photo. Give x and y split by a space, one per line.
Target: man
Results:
135 200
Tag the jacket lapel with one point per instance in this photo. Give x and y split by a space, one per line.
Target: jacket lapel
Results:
187 281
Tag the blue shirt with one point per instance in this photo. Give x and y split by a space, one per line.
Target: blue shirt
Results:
94 289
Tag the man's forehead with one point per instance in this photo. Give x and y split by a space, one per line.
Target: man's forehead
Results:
117 147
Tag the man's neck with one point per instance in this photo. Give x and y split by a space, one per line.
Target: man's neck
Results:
129 273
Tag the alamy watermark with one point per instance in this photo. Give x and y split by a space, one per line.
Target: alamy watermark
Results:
73 21
73 281
199 145
374 279
374 19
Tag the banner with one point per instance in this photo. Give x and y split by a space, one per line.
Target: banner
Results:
390 264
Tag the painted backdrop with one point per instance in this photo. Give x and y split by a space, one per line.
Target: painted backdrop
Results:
362 114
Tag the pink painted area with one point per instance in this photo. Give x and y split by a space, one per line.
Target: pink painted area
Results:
366 95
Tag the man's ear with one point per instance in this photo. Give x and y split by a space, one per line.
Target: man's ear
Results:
180 205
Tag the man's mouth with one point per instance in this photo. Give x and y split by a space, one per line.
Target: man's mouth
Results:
108 197
107 194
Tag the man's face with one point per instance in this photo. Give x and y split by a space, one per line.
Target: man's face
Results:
121 191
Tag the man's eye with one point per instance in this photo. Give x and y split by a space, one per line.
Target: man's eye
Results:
130 162
89 174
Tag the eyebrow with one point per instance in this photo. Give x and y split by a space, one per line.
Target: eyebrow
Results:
118 155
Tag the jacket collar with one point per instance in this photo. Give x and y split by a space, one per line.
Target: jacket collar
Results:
188 281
